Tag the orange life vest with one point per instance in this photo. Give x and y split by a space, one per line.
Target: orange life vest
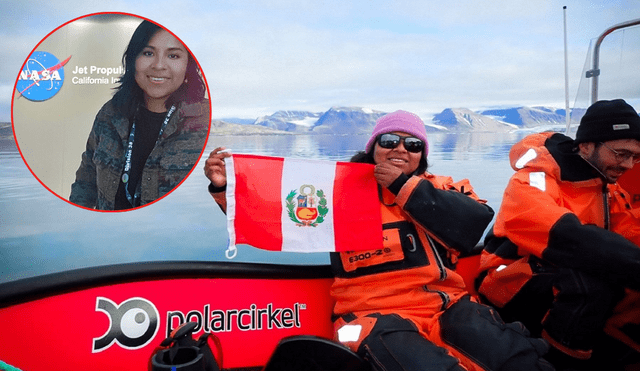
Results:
415 270
552 184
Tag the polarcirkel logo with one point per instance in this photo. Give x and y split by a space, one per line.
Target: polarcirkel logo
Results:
253 318
132 324
41 77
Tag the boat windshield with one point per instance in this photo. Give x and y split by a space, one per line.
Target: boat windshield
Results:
610 70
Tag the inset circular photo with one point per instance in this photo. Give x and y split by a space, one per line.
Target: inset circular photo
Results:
111 112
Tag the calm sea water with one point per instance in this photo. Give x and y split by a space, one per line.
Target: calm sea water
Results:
40 233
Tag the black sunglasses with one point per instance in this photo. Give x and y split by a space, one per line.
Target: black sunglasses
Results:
411 144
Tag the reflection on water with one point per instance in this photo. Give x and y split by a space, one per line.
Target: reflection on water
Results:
40 233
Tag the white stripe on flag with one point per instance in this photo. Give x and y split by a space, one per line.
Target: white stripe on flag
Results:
310 175
231 206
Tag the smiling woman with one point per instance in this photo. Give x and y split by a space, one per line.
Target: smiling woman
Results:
146 139
160 69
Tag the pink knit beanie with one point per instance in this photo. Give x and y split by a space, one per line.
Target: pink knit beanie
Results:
404 121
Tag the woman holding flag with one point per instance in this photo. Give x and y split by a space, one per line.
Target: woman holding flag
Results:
404 307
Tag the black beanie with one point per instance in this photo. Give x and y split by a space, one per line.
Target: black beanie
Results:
608 120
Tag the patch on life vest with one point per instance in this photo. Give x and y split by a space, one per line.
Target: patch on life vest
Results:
528 156
537 180
391 251
349 333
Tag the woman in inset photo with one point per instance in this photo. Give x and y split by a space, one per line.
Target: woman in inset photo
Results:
148 137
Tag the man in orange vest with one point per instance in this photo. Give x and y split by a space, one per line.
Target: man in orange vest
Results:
563 256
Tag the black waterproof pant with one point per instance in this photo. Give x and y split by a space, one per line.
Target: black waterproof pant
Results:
471 330
567 307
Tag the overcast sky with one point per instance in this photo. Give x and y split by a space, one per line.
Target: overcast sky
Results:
423 56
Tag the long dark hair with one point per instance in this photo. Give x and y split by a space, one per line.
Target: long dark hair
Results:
367 158
129 96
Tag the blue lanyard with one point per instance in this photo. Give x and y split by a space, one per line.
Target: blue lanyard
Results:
127 157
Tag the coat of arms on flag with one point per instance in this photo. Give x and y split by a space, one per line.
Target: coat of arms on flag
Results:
311 206
302 205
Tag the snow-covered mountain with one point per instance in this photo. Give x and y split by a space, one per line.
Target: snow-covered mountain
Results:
337 120
219 127
347 120
291 121
463 119
357 120
527 117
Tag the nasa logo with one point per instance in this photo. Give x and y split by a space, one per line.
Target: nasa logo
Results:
133 323
41 77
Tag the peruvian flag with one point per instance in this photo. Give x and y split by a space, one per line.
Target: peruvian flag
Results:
301 205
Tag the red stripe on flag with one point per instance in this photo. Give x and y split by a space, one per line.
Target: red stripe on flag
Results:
357 221
258 189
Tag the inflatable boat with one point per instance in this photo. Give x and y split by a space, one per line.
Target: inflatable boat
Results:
114 317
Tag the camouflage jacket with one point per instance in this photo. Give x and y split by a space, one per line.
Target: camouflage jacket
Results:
171 160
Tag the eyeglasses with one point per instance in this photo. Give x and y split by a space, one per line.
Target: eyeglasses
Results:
623 155
411 144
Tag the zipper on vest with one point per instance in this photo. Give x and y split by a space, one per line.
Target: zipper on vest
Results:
443 296
605 201
439 263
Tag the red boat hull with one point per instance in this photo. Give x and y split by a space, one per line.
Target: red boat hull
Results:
113 317
117 326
